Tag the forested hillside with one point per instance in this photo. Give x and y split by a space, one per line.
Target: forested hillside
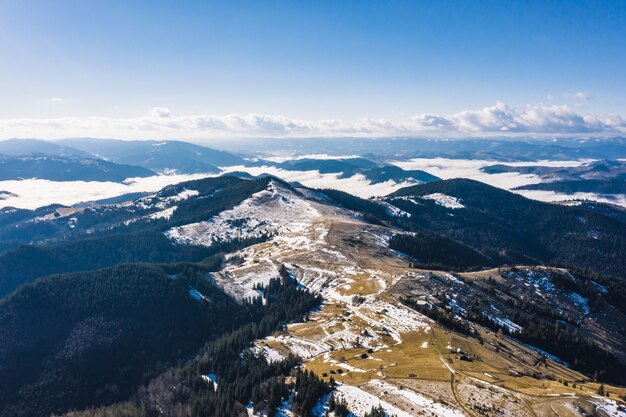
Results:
58 168
510 228
81 339
601 186
111 235
430 250
89 339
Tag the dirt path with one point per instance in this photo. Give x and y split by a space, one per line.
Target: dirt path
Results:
457 396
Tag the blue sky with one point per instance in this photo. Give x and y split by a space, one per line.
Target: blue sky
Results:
308 61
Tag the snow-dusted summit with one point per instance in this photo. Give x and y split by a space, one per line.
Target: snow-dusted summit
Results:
272 211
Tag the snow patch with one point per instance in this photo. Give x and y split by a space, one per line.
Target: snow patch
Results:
360 402
416 399
211 378
610 407
444 200
163 214
299 347
393 210
196 295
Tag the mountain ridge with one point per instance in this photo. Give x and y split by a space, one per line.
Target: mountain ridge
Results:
64 168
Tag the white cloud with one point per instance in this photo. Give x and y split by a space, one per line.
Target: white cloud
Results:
160 112
578 95
499 119
535 119
57 100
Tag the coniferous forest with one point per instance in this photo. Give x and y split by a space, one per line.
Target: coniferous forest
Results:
145 333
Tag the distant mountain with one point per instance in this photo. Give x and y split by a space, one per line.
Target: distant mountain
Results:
397 174
504 150
182 157
603 148
349 167
393 149
19 147
6 194
602 186
61 168
603 169
241 174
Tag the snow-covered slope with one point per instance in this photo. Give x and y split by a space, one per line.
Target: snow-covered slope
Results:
273 211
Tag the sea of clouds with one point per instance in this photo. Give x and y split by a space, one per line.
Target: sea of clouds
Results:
34 193
471 168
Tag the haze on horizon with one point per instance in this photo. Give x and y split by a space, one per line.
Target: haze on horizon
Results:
202 70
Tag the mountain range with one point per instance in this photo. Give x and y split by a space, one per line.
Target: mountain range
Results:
403 148
182 157
596 170
71 168
248 295
116 160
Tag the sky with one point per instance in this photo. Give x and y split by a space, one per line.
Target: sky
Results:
202 69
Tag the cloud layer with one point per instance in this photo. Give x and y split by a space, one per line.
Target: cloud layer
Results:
34 193
499 119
